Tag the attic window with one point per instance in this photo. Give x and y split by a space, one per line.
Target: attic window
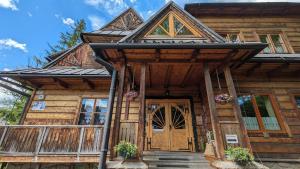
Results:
171 26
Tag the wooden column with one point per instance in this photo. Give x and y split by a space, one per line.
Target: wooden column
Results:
116 128
140 141
236 107
213 113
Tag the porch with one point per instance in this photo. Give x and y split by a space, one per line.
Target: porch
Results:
50 143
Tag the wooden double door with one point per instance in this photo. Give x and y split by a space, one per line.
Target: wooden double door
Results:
169 125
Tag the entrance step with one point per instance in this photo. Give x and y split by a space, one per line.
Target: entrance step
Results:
175 160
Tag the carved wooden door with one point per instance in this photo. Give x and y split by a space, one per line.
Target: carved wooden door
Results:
169 126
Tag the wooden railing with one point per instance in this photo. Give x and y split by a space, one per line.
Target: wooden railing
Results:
50 140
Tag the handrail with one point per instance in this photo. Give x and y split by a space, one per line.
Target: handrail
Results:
40 140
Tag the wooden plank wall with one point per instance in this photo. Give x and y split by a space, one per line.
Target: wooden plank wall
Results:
62 106
278 145
247 26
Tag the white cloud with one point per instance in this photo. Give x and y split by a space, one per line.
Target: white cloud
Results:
10 43
133 1
6 69
68 21
10 4
96 22
113 7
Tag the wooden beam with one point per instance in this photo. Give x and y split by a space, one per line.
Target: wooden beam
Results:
194 55
16 84
228 58
168 76
236 107
116 128
30 83
90 84
213 113
14 90
150 79
122 55
141 128
187 76
157 55
278 69
27 107
61 83
252 69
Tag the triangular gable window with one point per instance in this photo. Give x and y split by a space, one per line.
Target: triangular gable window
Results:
171 26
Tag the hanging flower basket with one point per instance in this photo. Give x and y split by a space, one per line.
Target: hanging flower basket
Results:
131 95
223 98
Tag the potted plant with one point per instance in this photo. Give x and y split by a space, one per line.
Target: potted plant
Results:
126 150
240 155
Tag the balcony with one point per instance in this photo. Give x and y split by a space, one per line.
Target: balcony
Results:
50 143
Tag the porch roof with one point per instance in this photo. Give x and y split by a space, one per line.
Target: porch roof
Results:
56 72
59 77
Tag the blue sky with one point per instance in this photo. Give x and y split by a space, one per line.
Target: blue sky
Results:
27 26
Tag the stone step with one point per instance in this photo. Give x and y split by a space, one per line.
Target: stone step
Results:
176 163
176 166
175 160
183 160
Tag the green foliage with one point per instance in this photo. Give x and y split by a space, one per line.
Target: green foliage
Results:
11 107
68 39
126 149
239 155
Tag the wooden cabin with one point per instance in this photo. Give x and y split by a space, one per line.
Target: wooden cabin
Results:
156 84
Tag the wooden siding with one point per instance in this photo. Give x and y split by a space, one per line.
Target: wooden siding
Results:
282 144
62 106
247 26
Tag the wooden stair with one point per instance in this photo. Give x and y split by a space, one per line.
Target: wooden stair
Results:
175 160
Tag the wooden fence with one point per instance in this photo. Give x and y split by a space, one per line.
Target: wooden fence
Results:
50 140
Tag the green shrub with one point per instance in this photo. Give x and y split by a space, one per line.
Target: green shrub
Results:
239 155
126 150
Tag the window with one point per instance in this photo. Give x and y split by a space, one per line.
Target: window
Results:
232 37
171 26
92 111
258 112
297 99
275 43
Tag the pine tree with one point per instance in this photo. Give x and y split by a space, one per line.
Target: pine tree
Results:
66 40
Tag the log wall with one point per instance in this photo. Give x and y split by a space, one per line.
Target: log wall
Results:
273 144
248 27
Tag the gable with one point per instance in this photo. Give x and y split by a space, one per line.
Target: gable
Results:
172 26
79 56
127 20
181 25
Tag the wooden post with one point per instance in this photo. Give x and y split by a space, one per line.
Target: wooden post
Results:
213 113
236 107
40 141
140 141
82 129
116 128
27 107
